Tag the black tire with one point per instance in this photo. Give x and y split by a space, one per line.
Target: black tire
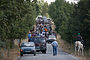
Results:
37 51
44 51
21 54
49 42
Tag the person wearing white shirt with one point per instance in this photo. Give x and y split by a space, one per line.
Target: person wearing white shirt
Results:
54 45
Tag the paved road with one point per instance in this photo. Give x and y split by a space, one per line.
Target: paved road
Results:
49 56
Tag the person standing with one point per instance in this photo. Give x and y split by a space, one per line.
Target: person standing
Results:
54 45
29 36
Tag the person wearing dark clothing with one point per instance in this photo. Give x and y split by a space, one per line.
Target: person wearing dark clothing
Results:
79 38
29 36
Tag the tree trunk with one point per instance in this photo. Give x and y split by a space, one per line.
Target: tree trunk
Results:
20 42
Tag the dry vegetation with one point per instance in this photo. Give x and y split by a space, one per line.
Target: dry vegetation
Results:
70 49
14 53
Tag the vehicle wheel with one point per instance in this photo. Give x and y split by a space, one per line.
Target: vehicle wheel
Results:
37 50
49 42
44 51
21 54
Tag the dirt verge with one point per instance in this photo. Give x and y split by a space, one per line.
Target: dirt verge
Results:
66 47
13 54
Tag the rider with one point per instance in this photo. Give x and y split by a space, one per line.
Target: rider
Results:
79 38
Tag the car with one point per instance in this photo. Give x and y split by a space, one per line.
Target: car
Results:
40 44
27 48
51 38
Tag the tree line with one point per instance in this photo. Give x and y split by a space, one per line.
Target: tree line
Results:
71 18
17 18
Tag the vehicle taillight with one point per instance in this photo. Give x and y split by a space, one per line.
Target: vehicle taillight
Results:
37 44
21 50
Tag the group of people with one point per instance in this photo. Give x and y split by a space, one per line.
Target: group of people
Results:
44 30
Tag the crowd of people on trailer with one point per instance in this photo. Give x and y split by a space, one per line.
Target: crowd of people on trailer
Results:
44 30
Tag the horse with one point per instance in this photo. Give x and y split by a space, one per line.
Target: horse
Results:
79 47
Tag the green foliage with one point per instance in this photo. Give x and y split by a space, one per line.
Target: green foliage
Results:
84 9
61 13
71 19
16 18
38 7
45 9
41 8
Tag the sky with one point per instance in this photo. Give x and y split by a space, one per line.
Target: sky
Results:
49 1
75 1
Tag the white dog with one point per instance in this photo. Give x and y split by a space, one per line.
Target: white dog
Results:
79 47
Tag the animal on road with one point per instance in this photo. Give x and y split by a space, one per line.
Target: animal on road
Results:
79 47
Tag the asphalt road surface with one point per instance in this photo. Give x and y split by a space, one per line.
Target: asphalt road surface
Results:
49 55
